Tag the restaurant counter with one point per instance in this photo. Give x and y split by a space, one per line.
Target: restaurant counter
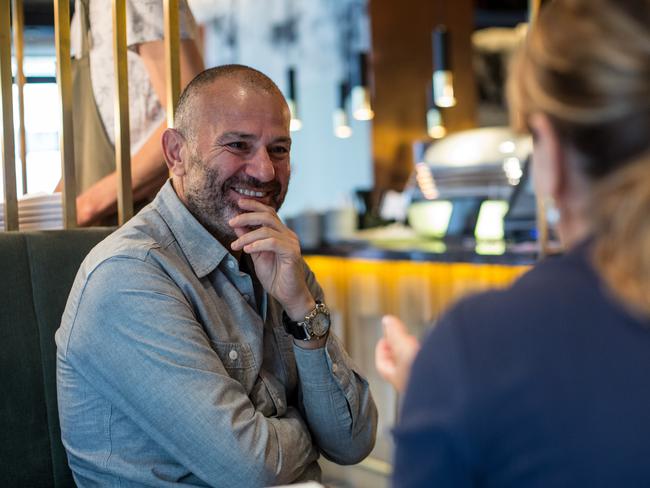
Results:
413 280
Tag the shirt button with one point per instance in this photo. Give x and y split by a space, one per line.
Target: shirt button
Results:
231 265
335 367
233 355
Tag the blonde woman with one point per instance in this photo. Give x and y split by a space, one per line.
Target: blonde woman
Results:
546 383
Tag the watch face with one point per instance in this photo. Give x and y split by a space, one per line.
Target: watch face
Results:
320 324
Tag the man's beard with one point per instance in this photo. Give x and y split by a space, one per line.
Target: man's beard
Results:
208 198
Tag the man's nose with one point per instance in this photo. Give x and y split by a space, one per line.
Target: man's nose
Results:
260 166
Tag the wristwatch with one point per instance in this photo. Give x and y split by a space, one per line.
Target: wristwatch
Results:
314 326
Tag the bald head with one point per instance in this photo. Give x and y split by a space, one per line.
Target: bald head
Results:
242 76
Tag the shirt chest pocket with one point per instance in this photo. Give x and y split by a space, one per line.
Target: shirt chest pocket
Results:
238 360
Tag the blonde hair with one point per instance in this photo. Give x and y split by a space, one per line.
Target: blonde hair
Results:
586 65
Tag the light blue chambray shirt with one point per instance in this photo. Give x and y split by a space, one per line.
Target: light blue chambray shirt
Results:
170 372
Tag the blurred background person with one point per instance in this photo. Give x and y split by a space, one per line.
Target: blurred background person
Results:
544 384
92 35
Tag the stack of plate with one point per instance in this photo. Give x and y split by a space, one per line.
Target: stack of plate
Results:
39 211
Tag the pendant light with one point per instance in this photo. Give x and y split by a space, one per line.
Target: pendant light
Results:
292 101
435 125
442 80
361 106
342 128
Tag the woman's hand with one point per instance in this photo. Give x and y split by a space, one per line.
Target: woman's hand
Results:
395 352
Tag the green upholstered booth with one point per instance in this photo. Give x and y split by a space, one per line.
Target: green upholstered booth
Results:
36 273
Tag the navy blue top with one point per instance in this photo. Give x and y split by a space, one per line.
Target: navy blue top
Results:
545 384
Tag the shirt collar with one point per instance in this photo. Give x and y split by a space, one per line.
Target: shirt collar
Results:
202 250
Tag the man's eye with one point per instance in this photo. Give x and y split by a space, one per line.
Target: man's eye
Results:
279 150
237 145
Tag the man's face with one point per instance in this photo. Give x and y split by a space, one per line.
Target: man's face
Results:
240 150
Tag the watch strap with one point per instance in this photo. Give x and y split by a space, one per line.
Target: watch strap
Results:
294 328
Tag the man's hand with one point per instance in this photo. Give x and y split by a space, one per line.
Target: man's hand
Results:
275 251
395 352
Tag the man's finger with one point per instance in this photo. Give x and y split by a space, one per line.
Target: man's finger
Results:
253 235
254 219
255 206
272 243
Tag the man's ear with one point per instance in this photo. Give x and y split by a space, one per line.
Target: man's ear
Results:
173 145
549 164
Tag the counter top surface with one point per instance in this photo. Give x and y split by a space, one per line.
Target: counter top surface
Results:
431 251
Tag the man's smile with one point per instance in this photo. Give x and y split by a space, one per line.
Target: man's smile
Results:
250 193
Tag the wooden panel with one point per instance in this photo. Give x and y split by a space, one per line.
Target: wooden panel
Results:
402 67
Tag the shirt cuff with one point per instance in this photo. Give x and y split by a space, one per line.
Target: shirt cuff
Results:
322 368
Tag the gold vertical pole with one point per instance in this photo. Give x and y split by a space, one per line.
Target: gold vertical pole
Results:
533 9
542 222
172 44
19 51
122 137
64 81
6 99
542 228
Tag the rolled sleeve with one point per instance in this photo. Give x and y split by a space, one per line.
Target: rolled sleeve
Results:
136 339
337 402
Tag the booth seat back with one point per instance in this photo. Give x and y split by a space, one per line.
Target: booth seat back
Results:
36 273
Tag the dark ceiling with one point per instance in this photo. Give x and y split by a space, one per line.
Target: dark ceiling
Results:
488 12
40 12
502 4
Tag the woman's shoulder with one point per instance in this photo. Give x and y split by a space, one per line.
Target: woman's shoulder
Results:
551 286
542 302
